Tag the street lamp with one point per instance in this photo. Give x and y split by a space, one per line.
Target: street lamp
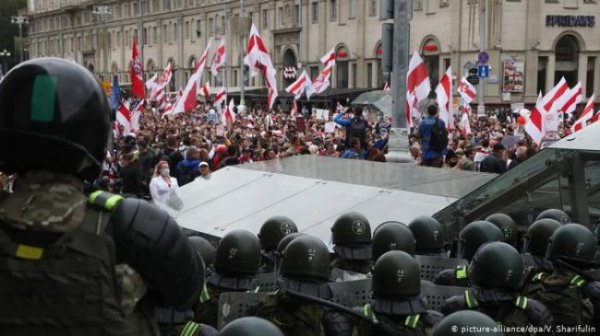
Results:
4 54
20 20
103 11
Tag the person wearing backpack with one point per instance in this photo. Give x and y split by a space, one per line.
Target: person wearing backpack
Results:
572 296
434 138
355 127
495 162
188 169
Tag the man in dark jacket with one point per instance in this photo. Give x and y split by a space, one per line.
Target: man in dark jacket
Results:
189 169
494 163
131 175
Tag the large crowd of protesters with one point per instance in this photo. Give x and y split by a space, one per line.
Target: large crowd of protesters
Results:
166 153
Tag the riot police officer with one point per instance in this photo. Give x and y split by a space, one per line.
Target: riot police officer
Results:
206 250
250 326
496 274
471 238
391 236
351 236
396 305
54 130
283 243
508 227
569 292
429 236
556 214
236 265
305 270
536 244
467 322
271 232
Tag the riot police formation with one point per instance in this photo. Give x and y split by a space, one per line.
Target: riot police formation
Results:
271 232
74 264
496 275
392 236
508 227
351 236
396 306
536 242
470 238
429 236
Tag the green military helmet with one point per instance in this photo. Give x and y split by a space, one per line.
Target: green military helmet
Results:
496 265
351 228
250 326
538 234
428 233
56 112
572 241
238 253
306 256
285 241
508 227
396 273
476 234
391 236
467 322
273 230
206 250
556 214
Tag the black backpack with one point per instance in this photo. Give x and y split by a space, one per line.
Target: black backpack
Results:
439 137
357 129
186 175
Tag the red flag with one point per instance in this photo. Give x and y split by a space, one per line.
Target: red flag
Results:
464 122
187 103
294 111
586 115
535 125
467 91
258 58
444 96
136 73
220 97
206 90
219 60
124 118
418 86
386 87
570 99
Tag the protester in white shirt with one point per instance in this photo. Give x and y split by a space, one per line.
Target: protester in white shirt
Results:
162 184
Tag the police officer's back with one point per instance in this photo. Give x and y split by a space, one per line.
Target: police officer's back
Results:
271 233
429 236
496 275
351 236
536 243
471 238
236 265
305 270
61 247
397 307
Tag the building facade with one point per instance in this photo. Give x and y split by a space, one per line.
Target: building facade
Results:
531 43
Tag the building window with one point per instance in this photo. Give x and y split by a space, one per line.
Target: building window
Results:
541 74
280 16
166 5
372 7
198 28
134 9
235 77
369 75
211 27
354 76
125 10
118 39
315 12
297 18
154 6
332 10
135 35
418 5
589 84
154 35
444 3
175 32
165 33
145 36
351 9
265 18
127 38
223 25
187 30
314 71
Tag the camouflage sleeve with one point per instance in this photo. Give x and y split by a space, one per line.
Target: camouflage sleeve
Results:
453 304
445 278
336 324
538 314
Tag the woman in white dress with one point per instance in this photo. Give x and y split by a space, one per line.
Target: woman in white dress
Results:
162 184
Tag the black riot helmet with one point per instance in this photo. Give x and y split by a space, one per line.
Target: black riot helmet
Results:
273 230
496 265
474 235
206 250
58 108
351 228
238 254
391 236
508 227
285 241
250 326
572 241
428 233
537 236
556 214
306 257
467 322
396 274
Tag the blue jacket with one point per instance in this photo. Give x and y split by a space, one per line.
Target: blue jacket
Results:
426 129
193 164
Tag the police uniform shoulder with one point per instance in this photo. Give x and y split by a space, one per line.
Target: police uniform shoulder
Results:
453 304
538 313
445 277
432 317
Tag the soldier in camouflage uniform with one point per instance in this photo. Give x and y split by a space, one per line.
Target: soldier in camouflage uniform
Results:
351 236
74 264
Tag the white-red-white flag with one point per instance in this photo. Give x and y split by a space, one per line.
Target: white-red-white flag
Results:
418 85
220 97
136 73
386 86
329 59
535 126
151 86
552 99
163 84
570 99
466 91
135 116
187 103
444 98
294 111
465 125
586 115
219 60
321 83
302 85
229 114
258 58
205 90
124 117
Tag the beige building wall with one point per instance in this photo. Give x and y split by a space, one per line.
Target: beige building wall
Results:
516 30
